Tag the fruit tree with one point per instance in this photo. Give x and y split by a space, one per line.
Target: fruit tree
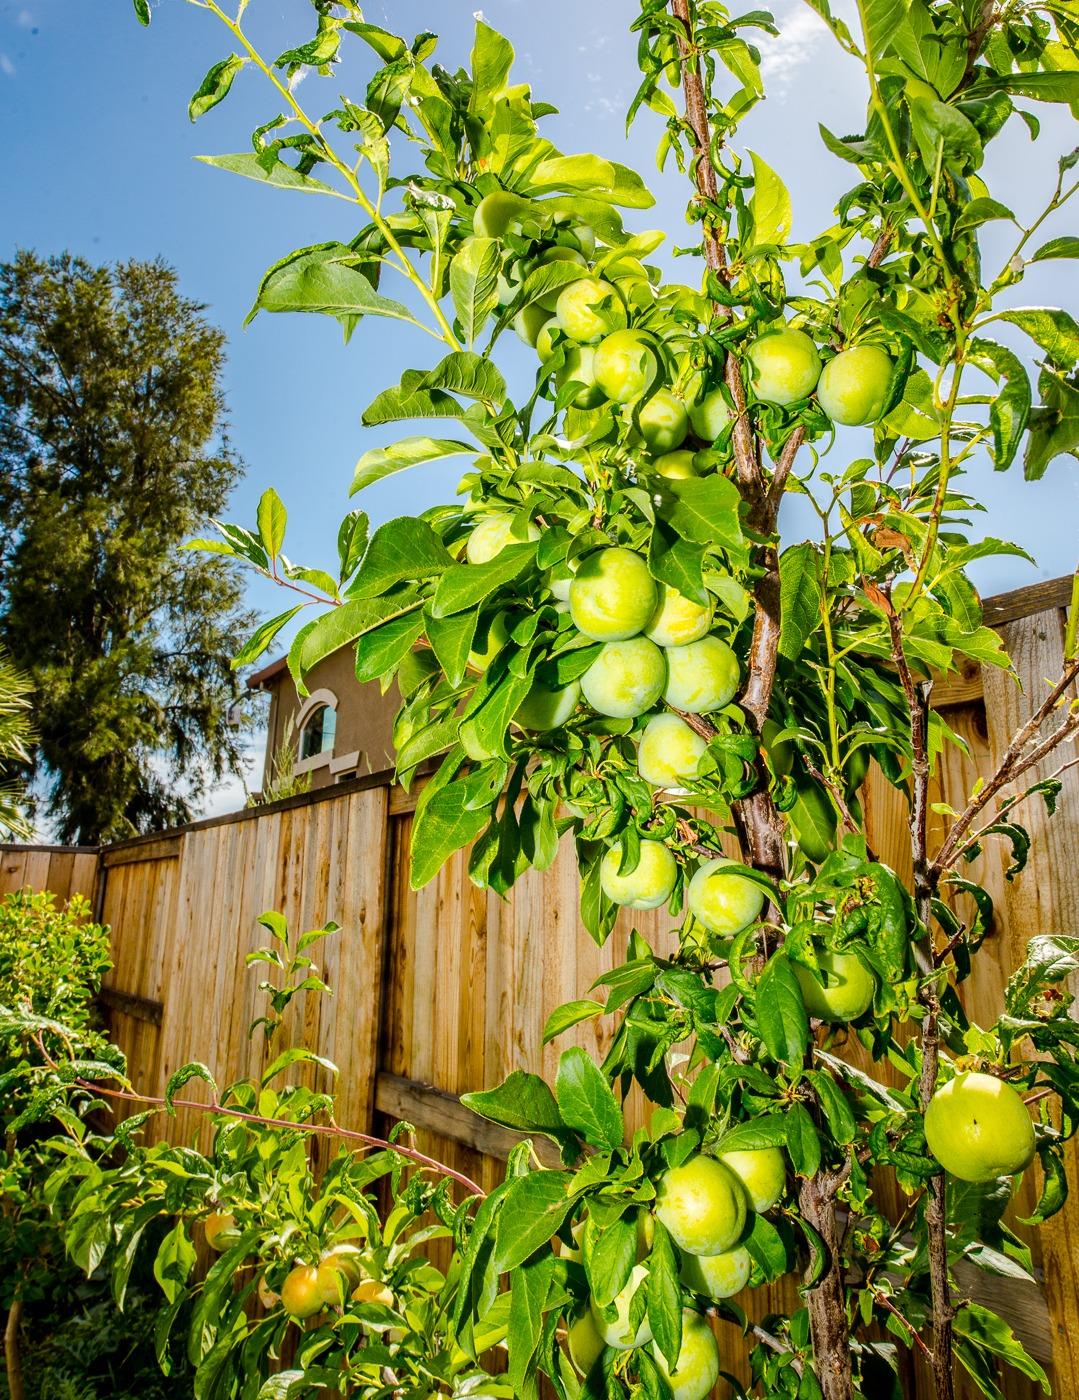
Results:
604 639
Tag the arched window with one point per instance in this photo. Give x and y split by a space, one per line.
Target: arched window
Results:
319 732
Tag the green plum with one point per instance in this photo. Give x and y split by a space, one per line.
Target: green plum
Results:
724 901
780 751
589 309
625 365
579 367
584 1342
626 678
663 422
617 1333
544 709
718 1275
487 644
669 752
853 387
530 321
612 596
545 340
697 1369
762 1172
978 1128
648 885
495 212
678 620
676 466
784 366
710 415
702 676
494 533
702 1205
848 987
559 253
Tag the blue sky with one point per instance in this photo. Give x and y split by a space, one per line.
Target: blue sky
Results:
99 159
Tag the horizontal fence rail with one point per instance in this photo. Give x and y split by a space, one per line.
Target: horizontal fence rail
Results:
446 990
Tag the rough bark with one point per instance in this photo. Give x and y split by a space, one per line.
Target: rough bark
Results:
12 1354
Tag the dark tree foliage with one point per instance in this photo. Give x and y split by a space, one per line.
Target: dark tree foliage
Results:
113 447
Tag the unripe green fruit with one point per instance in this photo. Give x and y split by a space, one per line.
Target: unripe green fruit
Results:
493 533
559 253
669 752
648 885
625 365
784 366
697 1368
301 1293
762 1172
529 321
544 709
495 212
978 1128
663 422
722 900
702 1205
626 269
589 309
585 238
584 1342
676 466
853 387
617 1333
710 415
612 596
626 678
678 620
848 990
718 1275
701 676
492 642
545 346
579 366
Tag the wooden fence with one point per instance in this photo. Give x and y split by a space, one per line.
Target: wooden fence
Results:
446 990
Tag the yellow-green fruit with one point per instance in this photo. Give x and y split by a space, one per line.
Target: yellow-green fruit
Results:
372 1291
220 1230
978 1128
529 321
494 214
543 708
625 365
702 1205
626 678
627 268
577 367
848 990
709 416
301 1293
490 644
612 596
718 1275
853 387
545 339
784 366
492 533
618 1333
648 885
676 466
697 1368
583 1342
701 676
669 752
559 253
678 620
762 1172
722 900
339 1270
589 309
663 422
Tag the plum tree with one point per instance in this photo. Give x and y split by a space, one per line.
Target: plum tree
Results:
626 678
625 365
846 991
590 308
702 1205
612 596
702 676
648 884
978 1128
784 366
697 1369
853 385
669 752
762 1172
677 619
718 1275
724 901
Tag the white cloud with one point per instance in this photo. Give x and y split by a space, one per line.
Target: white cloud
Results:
800 34
6 66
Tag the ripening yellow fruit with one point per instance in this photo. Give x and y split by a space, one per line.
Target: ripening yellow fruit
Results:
589 309
220 1230
495 212
626 678
339 1270
722 900
612 595
625 365
677 619
978 1128
301 1293
697 1368
783 366
702 676
371 1290
702 1205
762 1172
669 752
647 885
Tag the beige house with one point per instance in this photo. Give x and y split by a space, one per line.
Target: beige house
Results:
342 729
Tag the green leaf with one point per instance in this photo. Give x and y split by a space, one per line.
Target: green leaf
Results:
409 452
467 585
1010 410
184 1075
769 207
990 1333
324 280
249 165
1064 247
705 509
586 1102
403 548
570 1013
803 1141
342 625
942 131
880 20
801 597
982 211
1054 86
444 825
1054 424
837 1112
523 1102
530 1284
474 284
492 58
451 641
142 11
781 1014
382 649
408 400
532 1210
464 372
215 86
257 643
271 518
664 1295
1054 330
174 1261
765 1130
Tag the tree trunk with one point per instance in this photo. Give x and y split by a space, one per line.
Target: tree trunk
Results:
12 1358
827 1303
